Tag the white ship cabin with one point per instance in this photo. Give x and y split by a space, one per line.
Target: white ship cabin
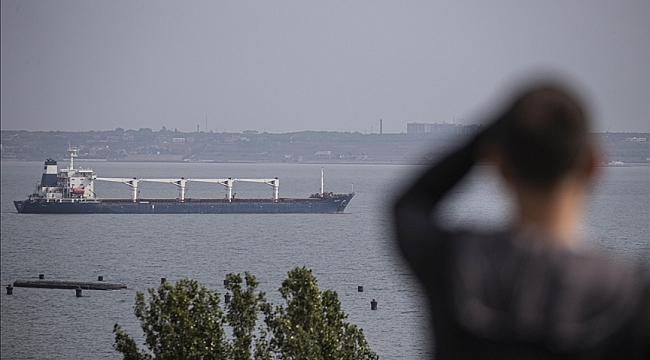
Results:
76 183
67 183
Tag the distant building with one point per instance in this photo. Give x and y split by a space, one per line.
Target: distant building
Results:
440 128
469 129
636 139
418 128
323 154
178 140
163 138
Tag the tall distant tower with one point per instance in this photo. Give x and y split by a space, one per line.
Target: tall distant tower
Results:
381 126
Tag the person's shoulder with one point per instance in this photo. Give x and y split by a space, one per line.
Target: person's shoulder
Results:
570 300
603 301
591 269
602 283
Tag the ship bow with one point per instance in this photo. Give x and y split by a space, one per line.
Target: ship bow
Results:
19 205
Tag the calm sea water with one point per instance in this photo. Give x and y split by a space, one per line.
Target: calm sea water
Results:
344 250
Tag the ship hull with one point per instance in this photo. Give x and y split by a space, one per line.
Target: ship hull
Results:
333 204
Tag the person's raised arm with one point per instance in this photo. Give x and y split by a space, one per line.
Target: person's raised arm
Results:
416 232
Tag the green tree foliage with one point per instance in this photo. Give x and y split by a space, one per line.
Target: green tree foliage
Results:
310 325
185 321
181 321
241 315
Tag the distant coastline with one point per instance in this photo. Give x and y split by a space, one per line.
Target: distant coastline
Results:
308 147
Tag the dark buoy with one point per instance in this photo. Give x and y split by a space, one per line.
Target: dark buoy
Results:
78 292
41 276
360 289
226 298
100 278
373 304
10 289
163 280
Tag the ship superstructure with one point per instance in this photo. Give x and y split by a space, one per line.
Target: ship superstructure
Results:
71 190
68 183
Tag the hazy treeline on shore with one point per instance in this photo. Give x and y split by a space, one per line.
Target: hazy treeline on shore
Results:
252 146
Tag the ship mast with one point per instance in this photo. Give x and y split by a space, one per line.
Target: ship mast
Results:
322 182
73 153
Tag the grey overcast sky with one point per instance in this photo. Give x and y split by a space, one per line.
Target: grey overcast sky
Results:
284 66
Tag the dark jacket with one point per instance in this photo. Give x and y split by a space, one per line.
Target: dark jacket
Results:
511 295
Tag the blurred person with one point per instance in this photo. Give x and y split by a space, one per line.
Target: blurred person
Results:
527 291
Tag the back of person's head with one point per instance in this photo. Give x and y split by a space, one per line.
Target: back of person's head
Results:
545 136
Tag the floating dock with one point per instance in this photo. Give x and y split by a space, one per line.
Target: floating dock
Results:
58 284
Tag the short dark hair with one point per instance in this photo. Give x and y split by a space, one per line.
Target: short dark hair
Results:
545 135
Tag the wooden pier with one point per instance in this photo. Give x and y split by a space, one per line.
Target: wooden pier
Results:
58 284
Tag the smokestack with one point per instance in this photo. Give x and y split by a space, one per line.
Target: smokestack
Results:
381 126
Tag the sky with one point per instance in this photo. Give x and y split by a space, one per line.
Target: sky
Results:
286 66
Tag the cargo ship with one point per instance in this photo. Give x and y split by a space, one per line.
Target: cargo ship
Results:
71 191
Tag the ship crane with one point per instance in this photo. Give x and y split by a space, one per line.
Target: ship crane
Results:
273 182
225 182
181 183
133 183
178 182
